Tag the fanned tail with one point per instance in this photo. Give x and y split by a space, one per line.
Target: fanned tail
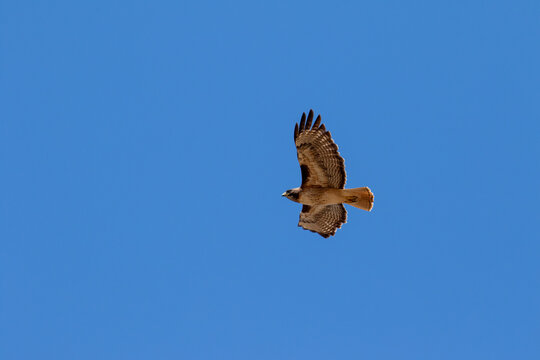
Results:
361 198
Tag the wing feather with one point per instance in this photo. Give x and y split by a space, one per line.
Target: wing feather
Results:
303 122
319 154
323 219
317 123
309 120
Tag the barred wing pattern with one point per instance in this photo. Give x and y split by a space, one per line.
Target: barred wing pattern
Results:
323 219
318 155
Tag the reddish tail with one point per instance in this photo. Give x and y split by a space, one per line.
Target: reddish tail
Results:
361 198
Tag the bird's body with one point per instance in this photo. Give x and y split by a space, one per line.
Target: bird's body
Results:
319 196
329 196
323 180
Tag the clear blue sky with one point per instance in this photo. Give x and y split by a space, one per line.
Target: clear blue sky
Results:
145 146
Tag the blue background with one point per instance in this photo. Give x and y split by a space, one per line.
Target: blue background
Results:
145 145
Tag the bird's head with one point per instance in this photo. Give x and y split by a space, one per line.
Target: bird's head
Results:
292 194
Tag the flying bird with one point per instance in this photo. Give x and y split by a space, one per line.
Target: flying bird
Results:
323 192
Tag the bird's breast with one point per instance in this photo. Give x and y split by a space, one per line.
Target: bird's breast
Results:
320 196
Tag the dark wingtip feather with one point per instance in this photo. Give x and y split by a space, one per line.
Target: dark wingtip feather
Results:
302 122
309 119
295 131
317 123
322 127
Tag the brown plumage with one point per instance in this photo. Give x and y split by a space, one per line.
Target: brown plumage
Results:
323 180
323 219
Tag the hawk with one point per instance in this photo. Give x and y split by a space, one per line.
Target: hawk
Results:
323 192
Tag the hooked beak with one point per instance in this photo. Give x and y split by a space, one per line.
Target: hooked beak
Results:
284 194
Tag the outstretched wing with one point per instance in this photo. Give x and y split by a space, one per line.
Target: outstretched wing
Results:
323 219
318 155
